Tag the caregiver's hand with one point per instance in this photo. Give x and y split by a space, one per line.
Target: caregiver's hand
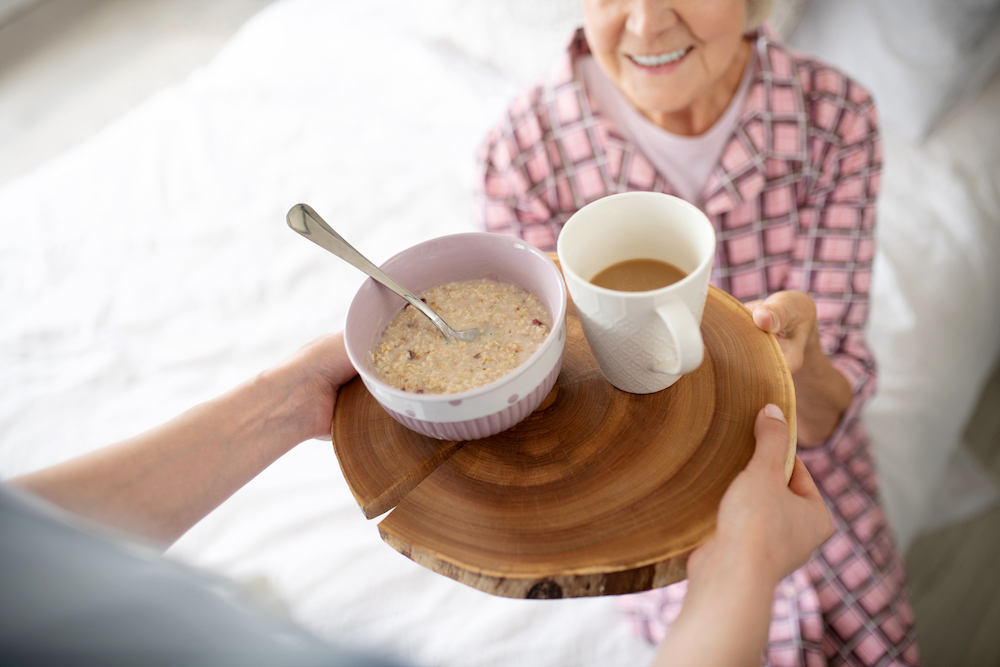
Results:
822 393
317 370
765 530
766 525
160 483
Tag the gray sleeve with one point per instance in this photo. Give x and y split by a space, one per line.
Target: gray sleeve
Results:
73 597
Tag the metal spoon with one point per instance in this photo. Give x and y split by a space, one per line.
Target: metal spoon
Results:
304 220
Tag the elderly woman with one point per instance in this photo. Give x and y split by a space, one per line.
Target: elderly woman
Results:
696 98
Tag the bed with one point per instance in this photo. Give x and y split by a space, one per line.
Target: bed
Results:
150 268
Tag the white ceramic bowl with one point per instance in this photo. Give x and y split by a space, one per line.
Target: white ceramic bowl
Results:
485 410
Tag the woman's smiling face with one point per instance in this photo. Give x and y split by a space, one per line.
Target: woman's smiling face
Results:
677 61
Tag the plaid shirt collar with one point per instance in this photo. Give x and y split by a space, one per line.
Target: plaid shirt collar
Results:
763 132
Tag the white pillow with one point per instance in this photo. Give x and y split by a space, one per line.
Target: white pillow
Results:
920 58
935 311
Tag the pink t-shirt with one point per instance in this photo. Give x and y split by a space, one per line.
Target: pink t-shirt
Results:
685 162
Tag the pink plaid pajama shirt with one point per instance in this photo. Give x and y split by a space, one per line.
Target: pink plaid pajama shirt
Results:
792 200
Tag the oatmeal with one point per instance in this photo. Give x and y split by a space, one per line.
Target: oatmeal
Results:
413 355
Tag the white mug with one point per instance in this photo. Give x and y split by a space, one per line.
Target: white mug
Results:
643 341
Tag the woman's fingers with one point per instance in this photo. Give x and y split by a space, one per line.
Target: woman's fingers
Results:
766 319
791 316
785 311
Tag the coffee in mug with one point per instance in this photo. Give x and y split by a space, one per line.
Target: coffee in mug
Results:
638 275
645 340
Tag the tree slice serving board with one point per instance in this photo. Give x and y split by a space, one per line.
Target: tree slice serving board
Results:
598 492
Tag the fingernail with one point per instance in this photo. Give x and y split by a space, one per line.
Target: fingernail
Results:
775 325
774 412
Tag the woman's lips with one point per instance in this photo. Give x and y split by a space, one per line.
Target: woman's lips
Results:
661 62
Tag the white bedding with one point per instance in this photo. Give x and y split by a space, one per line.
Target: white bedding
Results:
151 268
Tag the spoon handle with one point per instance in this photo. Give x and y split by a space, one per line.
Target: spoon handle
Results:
304 220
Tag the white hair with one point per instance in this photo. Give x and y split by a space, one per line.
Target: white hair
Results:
757 13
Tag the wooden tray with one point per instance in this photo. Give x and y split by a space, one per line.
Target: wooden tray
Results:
598 492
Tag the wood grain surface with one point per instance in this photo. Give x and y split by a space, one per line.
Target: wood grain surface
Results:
598 492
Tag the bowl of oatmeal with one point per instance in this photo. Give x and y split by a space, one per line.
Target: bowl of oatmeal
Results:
508 289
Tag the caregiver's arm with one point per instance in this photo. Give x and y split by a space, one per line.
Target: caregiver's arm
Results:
822 393
766 529
160 483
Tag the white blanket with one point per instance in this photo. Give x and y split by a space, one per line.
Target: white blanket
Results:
151 268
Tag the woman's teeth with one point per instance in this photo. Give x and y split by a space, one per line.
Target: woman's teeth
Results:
662 59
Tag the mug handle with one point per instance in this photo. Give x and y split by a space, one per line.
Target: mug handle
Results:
687 339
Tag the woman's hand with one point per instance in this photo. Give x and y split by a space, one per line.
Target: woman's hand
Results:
765 530
822 393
